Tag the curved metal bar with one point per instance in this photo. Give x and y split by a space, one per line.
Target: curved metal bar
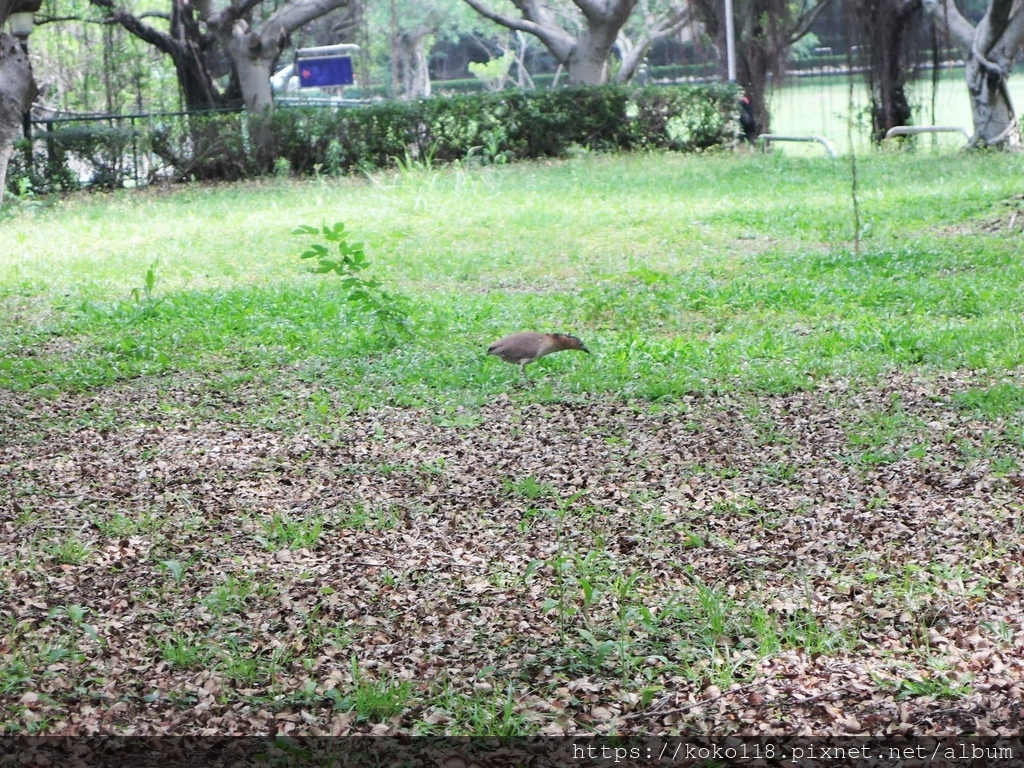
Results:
820 139
910 130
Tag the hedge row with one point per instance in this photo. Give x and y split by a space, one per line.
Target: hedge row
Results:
495 127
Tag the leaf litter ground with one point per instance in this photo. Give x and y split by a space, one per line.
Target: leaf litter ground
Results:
841 561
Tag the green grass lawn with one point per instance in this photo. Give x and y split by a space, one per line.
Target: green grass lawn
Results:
784 490
683 273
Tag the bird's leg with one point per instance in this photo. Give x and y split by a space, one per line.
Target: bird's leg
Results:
522 371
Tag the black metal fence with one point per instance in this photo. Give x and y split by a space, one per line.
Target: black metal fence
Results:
103 150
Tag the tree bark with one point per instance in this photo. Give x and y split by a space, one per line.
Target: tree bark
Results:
17 92
254 50
409 60
184 43
991 47
881 27
633 53
584 56
765 30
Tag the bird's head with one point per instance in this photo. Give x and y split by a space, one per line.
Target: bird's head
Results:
565 341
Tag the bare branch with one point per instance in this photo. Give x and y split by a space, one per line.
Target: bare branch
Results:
106 21
44 20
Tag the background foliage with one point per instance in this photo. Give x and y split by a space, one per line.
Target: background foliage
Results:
492 127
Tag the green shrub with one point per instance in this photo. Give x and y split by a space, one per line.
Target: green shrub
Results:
45 173
363 294
507 125
684 119
102 151
206 146
496 127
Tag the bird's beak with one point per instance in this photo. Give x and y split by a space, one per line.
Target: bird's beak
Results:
584 349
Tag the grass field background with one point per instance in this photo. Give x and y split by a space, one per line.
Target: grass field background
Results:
782 496
685 272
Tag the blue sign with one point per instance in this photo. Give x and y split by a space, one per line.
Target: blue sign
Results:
331 70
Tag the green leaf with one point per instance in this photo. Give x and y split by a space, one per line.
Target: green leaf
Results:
90 630
174 567
362 294
314 251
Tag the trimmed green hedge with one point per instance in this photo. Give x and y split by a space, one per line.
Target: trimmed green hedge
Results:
494 127
510 125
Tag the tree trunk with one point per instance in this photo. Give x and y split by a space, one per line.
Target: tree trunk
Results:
411 72
17 92
253 62
991 48
757 61
995 123
882 27
760 53
588 62
185 46
752 77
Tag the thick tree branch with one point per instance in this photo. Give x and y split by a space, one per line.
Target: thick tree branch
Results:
1012 39
224 19
669 25
512 22
594 10
557 40
947 17
804 24
296 14
133 24
999 14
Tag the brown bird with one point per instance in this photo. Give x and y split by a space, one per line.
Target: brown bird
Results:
525 347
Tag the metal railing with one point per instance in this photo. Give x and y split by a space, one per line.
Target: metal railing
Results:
912 130
768 137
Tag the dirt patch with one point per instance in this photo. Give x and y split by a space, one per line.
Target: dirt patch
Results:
1009 219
